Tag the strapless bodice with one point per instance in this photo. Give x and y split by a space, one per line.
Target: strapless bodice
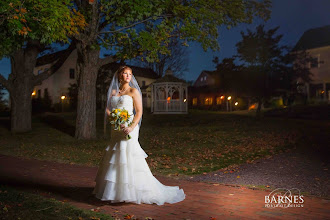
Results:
123 102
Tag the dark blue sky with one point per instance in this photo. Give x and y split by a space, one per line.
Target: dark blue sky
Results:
293 16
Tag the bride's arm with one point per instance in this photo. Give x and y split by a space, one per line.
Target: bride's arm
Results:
137 101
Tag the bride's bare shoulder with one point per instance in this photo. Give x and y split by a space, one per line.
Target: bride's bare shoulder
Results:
135 93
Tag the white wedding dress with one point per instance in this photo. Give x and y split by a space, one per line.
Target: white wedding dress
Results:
124 175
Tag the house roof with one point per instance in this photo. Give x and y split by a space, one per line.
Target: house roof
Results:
169 78
213 74
137 71
49 58
314 38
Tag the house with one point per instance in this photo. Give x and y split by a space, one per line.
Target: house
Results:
206 93
316 42
57 84
209 92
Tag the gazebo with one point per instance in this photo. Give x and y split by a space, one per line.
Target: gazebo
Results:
169 95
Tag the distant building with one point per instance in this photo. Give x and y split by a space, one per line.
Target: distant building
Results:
208 93
57 84
316 41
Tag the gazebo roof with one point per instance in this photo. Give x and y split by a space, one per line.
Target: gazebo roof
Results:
169 78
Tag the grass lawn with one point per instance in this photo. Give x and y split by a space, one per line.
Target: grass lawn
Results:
17 205
189 144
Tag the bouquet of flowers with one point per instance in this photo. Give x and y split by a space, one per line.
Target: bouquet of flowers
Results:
120 116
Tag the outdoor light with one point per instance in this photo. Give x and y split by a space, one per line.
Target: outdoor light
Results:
236 103
168 99
33 93
229 97
222 97
184 100
322 91
63 97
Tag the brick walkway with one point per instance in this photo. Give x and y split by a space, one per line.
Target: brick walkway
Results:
74 184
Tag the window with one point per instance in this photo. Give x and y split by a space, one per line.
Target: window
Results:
208 101
315 63
71 73
219 100
143 83
204 78
194 101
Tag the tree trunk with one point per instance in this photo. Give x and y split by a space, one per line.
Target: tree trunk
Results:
258 112
87 68
21 80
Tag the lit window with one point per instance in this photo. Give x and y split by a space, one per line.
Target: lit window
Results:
219 100
208 101
194 101
204 77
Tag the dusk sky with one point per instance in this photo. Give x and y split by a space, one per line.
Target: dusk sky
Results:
293 16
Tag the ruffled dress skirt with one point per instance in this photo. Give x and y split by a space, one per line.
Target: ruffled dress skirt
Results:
124 174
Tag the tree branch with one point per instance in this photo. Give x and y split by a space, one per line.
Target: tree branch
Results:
44 75
106 60
132 25
106 42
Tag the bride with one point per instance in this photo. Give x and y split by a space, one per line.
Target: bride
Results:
123 174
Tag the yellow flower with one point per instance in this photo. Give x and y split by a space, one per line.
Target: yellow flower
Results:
124 115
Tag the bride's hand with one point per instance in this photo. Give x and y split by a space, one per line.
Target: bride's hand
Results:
128 130
108 112
122 126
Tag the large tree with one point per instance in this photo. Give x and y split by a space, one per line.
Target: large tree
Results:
26 29
268 65
132 28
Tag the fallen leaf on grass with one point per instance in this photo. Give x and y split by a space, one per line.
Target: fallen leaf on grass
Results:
127 216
